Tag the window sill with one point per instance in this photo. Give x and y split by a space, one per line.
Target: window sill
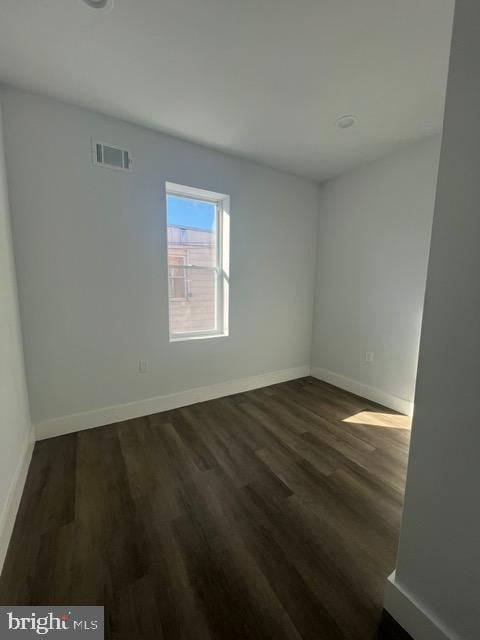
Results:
193 336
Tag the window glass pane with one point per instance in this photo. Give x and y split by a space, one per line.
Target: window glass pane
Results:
177 282
192 230
196 310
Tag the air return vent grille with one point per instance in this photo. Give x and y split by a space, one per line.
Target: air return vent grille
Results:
107 155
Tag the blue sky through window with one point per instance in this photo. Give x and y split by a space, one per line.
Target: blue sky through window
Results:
185 212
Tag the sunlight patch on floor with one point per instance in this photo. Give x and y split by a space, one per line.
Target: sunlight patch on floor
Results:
375 419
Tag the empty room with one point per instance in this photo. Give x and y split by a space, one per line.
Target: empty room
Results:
239 319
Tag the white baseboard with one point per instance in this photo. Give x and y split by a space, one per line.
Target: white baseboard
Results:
359 388
10 509
415 619
118 413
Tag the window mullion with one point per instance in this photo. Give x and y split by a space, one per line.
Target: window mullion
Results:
193 267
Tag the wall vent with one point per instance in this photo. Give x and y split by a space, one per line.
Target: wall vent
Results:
107 155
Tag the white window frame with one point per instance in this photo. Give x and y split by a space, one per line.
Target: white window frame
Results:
222 266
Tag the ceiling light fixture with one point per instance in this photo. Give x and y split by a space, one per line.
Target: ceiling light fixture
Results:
106 5
345 122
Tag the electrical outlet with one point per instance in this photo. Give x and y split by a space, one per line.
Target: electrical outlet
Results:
369 356
142 366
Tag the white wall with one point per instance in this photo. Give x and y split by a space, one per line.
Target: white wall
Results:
14 413
438 564
91 261
373 241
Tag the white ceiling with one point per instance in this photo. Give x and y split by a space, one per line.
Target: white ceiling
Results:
266 79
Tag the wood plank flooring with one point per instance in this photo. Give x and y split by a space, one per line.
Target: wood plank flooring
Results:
271 514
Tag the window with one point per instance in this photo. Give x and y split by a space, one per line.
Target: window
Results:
177 278
197 248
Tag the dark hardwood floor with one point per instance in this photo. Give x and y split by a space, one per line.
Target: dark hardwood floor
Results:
271 514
